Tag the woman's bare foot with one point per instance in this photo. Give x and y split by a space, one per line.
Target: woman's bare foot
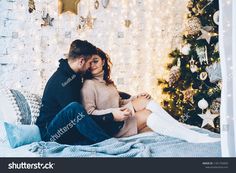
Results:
140 103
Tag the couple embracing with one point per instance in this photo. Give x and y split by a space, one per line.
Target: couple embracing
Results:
81 104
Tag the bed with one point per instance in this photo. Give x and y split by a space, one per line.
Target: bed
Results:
13 109
148 144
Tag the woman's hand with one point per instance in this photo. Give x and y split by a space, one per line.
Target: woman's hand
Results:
121 114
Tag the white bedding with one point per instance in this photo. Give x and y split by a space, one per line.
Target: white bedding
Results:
7 151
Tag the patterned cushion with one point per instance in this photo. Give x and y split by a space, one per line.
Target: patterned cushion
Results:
19 107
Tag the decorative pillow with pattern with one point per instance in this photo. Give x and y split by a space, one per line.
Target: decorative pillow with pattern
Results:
19 107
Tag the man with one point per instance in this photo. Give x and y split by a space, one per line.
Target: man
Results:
62 118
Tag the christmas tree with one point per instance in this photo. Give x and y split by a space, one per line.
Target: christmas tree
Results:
194 84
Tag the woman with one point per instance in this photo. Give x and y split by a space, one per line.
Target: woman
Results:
100 96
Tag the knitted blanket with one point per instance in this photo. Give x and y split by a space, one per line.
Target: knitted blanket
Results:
148 144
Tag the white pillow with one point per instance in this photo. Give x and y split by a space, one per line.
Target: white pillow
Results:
19 107
8 107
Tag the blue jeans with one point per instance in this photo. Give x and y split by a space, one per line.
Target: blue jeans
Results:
72 125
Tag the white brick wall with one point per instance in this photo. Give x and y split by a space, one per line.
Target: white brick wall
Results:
29 53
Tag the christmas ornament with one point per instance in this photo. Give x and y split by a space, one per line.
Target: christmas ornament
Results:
82 24
202 54
214 72
190 4
213 90
193 25
127 23
201 10
208 28
215 106
31 5
216 49
193 66
188 94
186 49
202 104
184 118
179 62
216 17
195 10
174 75
47 20
87 22
96 4
105 3
205 35
90 21
208 118
68 5
219 84
203 76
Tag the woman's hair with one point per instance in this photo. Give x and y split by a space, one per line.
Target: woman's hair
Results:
106 67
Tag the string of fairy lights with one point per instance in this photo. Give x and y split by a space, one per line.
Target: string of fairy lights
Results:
132 32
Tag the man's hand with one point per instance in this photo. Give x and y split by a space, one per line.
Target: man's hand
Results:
121 114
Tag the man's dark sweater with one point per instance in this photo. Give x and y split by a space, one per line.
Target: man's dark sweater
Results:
61 89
